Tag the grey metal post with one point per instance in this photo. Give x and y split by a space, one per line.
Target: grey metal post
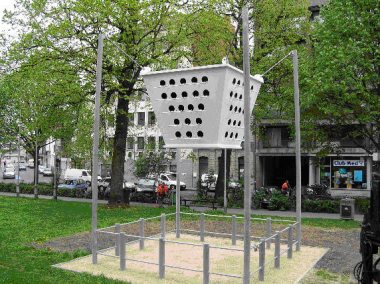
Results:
18 167
36 169
247 149
117 243
161 258
163 225
178 199
122 240
55 171
277 250
142 233
269 232
206 263
298 145
233 235
202 227
261 260
95 148
225 182
290 242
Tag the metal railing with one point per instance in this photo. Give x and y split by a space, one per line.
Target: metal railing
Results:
262 247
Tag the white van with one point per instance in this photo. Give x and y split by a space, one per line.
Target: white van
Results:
75 174
170 179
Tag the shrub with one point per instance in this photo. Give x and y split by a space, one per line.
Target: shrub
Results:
362 205
321 206
260 195
279 201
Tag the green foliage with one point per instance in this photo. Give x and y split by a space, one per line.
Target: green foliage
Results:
151 163
260 195
279 201
321 206
43 188
361 205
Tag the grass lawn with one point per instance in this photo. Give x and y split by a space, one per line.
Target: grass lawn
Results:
23 221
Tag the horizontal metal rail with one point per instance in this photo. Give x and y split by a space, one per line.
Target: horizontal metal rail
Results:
183 268
101 253
184 243
142 261
226 248
226 275
107 232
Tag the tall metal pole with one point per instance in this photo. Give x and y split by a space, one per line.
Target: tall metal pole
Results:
178 199
225 181
247 149
55 171
298 145
36 169
95 149
18 167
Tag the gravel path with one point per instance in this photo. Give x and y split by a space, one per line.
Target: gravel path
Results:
341 258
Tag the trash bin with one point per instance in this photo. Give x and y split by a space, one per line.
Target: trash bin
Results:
347 208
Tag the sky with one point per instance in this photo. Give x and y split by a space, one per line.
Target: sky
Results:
5 4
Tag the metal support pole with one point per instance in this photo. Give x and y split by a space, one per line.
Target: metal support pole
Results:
18 167
178 199
206 264
117 243
122 239
142 233
298 146
269 232
202 227
55 171
277 250
261 260
233 235
161 258
290 242
36 169
225 182
247 149
95 148
163 225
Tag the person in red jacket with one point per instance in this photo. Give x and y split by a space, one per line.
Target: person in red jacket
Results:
161 191
285 187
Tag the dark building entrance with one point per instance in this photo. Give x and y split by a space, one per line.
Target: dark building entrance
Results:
281 168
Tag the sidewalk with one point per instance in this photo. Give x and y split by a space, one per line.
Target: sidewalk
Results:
239 211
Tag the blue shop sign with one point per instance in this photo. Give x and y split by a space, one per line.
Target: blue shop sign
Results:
348 163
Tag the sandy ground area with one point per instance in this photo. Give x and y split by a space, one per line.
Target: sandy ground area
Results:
221 261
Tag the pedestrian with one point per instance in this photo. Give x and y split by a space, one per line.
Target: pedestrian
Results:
285 187
161 191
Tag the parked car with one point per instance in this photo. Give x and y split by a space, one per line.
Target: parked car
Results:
79 174
31 163
41 169
9 172
170 179
146 185
47 172
22 167
79 186
208 180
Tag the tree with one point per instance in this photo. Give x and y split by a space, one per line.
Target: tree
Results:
343 86
139 34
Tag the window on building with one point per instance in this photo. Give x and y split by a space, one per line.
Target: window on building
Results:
151 118
278 136
152 143
141 118
140 143
161 142
130 143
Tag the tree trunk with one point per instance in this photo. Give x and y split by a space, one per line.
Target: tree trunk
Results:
219 188
117 194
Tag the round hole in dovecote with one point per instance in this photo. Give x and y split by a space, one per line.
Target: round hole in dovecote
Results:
187 121
240 97
162 83
231 134
206 93
172 82
239 123
178 134
194 80
176 121
164 96
252 87
231 107
226 134
173 95
235 96
195 93
236 135
201 106
243 111
238 82
234 122
204 79
181 108
200 133
190 107
171 108
231 94
234 81
229 122
235 109
184 94
182 81
239 109
189 134
198 120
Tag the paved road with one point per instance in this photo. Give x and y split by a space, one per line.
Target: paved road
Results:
27 177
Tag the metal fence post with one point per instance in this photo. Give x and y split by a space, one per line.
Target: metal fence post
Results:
206 263
122 250
298 245
277 250
269 232
261 260
290 242
233 236
163 225
142 233
161 258
117 242
202 227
